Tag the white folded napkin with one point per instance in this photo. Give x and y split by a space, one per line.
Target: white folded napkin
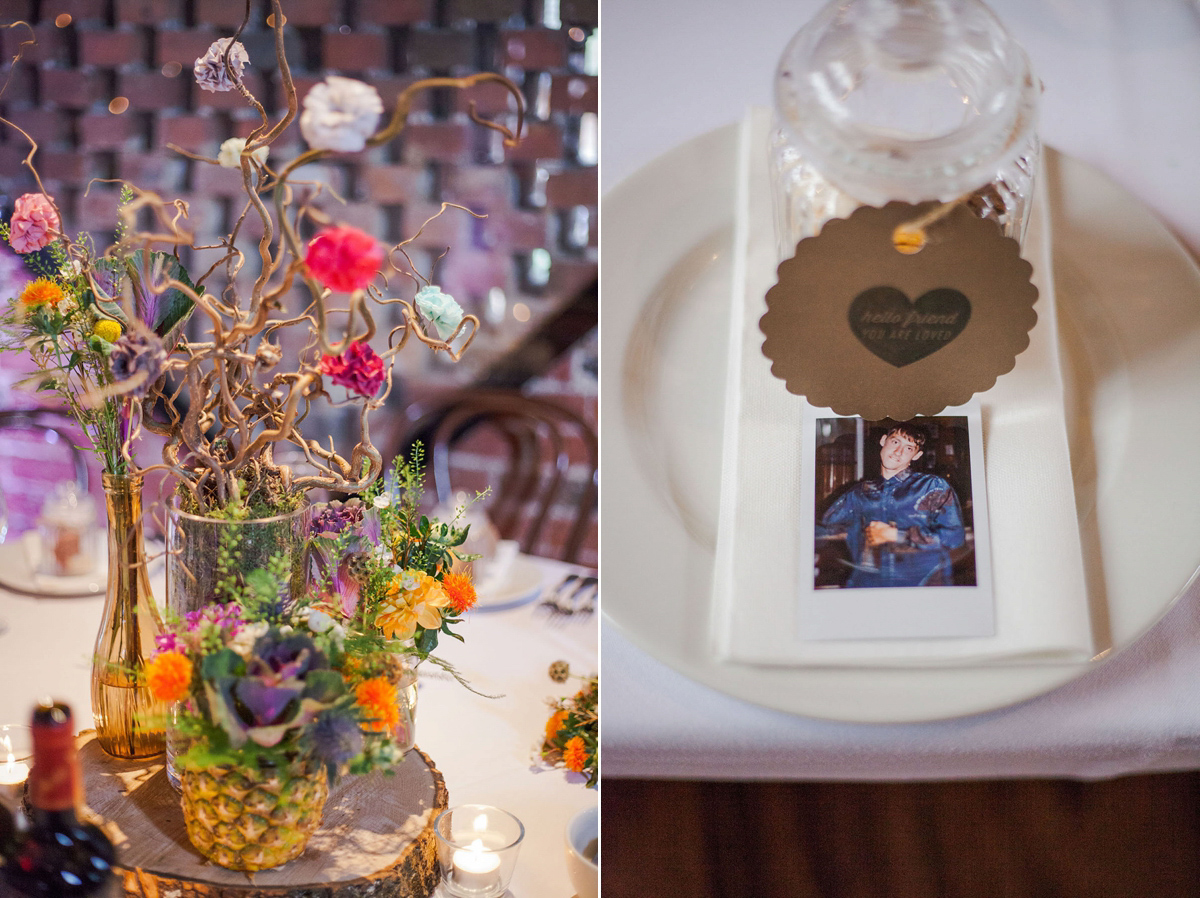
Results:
1038 584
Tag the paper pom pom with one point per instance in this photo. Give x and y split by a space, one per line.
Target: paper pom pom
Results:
344 259
209 70
340 114
34 223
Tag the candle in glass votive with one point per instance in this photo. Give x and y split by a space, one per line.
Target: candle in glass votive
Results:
13 774
477 849
476 868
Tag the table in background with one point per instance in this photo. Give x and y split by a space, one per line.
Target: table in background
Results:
1122 92
486 748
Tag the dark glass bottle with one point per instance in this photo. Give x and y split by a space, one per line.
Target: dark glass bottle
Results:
58 855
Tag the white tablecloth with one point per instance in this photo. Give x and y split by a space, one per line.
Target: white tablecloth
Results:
1122 92
485 748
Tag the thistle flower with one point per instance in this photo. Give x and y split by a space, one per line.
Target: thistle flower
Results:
440 308
336 738
460 591
358 369
137 360
34 223
41 292
340 114
343 258
209 69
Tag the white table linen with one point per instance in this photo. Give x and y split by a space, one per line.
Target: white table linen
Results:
486 748
1122 92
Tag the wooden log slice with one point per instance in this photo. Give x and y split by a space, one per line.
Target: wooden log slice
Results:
376 838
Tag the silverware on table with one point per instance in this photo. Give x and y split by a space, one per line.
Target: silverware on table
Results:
574 594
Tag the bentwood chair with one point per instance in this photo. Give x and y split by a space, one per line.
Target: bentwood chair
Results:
539 458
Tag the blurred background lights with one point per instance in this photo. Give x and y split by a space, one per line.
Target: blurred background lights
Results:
521 311
171 69
539 267
118 105
63 20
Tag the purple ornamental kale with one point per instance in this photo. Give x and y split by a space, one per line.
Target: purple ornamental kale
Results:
286 682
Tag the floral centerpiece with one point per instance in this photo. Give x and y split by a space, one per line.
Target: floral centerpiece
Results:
272 691
387 573
107 331
273 708
572 738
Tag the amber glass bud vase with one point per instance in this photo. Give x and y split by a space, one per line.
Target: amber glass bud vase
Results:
129 723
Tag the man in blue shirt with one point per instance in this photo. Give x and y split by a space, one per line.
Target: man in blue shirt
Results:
900 526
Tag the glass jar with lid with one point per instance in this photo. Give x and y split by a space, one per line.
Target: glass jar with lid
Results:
911 100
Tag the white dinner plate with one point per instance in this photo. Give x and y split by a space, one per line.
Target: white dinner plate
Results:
521 583
1129 315
19 575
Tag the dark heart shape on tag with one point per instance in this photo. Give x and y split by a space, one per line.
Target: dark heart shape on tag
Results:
901 331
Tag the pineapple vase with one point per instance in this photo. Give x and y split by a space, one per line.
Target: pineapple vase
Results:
247 819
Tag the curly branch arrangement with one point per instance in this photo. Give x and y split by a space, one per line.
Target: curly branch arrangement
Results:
241 401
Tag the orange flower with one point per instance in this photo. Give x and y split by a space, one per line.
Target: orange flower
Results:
575 754
41 292
379 699
554 724
169 675
460 591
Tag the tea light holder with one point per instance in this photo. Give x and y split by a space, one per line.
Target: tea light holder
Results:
16 749
477 849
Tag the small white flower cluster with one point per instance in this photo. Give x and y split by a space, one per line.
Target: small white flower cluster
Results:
243 642
340 114
231 153
320 622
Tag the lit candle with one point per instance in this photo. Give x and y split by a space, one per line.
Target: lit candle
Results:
476 868
14 772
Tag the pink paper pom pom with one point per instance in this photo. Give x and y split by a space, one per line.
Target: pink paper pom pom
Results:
34 224
358 369
344 259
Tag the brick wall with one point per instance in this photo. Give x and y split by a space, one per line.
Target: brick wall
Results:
536 247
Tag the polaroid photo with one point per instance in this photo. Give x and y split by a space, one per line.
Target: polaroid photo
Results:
894 518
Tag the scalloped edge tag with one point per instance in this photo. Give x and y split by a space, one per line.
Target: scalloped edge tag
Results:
855 325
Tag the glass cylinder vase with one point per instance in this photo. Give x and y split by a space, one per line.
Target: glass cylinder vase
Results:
129 723
208 558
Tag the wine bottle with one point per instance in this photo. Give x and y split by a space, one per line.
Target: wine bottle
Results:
58 855
8 833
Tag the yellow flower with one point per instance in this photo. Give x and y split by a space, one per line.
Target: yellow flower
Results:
413 598
575 754
169 675
380 700
107 330
41 292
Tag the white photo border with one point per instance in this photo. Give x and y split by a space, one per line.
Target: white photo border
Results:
911 612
